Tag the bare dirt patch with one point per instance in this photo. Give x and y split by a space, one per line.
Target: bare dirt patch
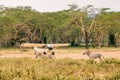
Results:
75 53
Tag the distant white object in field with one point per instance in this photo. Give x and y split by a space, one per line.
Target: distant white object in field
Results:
39 52
49 46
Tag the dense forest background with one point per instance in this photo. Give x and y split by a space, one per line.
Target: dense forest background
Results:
77 26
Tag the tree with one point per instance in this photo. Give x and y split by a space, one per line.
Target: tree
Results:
86 21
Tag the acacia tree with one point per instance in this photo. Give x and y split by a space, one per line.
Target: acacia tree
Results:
86 21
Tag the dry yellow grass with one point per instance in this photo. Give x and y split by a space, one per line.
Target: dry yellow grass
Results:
62 69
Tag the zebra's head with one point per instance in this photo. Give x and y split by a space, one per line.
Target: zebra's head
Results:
86 52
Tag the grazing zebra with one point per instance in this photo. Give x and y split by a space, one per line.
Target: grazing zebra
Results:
93 56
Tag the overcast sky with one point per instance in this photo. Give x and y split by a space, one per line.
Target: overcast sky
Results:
57 5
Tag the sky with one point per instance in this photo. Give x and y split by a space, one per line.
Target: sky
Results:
58 5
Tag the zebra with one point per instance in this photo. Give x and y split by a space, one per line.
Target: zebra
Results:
93 56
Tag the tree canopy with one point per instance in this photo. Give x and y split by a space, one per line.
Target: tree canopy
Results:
75 26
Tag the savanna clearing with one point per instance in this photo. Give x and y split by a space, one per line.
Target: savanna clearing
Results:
70 65
74 53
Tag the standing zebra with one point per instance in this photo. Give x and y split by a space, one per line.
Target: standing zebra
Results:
93 56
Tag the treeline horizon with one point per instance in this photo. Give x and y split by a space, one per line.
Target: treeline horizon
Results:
75 26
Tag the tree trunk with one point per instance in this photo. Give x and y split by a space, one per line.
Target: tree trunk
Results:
86 40
93 42
111 40
116 39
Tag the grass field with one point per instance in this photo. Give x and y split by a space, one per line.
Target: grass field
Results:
62 69
70 65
